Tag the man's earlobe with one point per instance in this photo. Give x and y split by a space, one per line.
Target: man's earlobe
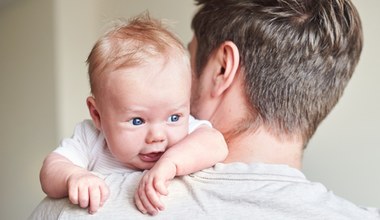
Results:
229 61
94 113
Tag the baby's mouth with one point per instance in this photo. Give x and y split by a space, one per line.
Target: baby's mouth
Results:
151 157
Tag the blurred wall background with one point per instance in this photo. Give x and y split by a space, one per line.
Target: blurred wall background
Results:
43 87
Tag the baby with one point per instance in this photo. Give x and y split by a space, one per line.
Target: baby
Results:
140 81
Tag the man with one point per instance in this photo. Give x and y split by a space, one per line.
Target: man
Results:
266 73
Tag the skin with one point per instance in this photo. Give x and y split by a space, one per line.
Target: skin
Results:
139 128
144 129
218 96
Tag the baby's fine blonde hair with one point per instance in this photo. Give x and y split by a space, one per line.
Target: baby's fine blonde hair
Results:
131 43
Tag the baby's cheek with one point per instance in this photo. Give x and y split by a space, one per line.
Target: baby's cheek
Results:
178 134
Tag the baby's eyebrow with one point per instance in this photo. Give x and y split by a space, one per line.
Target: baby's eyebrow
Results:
133 109
182 105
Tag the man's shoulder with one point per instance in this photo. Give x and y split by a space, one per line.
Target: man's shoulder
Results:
235 191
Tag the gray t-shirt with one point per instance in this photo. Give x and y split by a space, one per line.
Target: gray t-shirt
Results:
226 191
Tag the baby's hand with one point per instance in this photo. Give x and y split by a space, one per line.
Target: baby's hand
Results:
154 184
87 190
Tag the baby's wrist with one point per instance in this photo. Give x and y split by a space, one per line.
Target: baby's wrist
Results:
169 164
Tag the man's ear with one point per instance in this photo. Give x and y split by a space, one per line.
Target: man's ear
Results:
91 104
229 61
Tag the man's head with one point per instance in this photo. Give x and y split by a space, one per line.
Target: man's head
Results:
295 56
140 82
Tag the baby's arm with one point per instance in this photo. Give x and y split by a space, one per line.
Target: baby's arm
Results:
60 178
202 148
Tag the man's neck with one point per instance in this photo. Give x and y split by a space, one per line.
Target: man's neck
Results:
259 146
262 147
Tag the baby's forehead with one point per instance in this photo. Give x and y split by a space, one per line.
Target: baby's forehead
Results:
163 74
173 67
159 83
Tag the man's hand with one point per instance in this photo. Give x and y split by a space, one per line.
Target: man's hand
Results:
152 185
87 190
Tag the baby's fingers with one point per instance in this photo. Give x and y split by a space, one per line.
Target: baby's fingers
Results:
83 197
73 195
161 187
95 198
98 195
154 197
139 204
145 204
105 192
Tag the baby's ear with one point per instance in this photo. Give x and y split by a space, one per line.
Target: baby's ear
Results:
91 104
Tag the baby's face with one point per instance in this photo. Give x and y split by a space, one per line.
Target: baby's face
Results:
144 110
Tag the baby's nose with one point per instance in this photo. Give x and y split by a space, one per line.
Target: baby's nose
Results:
156 134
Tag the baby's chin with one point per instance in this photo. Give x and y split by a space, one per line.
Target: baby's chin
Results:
143 166
138 164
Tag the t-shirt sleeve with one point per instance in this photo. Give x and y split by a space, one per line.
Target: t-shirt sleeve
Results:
195 123
78 148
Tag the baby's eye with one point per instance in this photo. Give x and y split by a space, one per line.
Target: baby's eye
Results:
137 121
174 118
